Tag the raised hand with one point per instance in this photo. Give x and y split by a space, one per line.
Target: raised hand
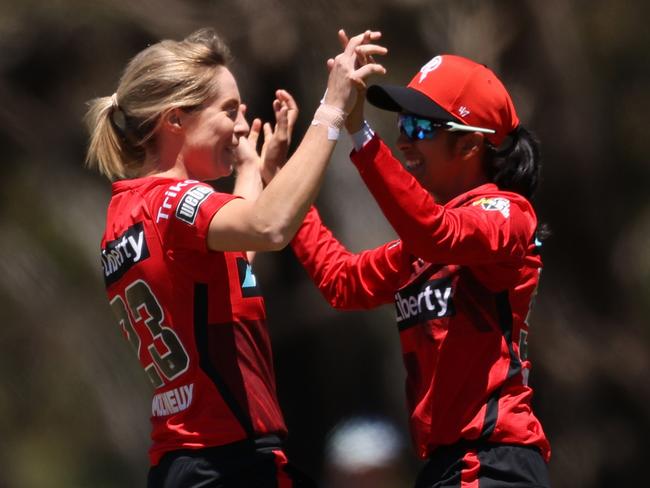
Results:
248 165
277 139
355 118
350 69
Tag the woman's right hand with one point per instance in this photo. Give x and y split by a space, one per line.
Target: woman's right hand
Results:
349 70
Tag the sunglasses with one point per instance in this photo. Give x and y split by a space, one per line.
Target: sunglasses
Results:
419 128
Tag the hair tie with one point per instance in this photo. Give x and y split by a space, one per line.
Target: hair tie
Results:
117 114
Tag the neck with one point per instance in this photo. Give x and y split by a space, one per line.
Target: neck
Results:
166 160
457 186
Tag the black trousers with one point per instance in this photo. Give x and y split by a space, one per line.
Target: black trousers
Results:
484 465
259 463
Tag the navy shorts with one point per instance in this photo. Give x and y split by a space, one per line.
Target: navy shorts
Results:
484 465
261 463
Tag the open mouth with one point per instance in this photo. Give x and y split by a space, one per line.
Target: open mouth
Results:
412 164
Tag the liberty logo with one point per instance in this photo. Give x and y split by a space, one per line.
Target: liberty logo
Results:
124 252
419 303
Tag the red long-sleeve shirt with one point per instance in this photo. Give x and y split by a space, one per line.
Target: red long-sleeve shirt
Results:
462 278
195 317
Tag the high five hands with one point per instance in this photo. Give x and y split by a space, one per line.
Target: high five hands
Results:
350 69
364 57
346 87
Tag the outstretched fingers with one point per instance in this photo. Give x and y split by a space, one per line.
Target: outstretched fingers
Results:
254 133
268 131
366 64
343 39
285 110
287 99
350 68
355 41
362 49
368 50
282 123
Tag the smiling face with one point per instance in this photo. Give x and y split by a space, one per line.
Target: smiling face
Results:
446 164
430 161
212 132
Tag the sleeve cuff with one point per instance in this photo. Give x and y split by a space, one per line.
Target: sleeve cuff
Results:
362 136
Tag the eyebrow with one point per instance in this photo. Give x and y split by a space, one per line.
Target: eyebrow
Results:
231 102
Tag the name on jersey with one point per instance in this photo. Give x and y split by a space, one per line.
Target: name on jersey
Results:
172 401
188 207
419 303
119 255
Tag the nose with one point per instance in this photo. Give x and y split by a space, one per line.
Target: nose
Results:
403 142
241 124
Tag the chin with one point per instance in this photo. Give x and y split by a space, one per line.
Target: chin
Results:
212 175
416 172
226 164
227 170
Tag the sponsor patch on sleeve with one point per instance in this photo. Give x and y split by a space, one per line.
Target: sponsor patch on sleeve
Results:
188 206
494 204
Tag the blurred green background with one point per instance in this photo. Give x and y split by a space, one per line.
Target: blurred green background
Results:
74 403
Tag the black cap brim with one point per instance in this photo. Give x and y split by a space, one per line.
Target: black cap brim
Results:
406 99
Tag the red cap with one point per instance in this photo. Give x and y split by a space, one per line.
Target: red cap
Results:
453 89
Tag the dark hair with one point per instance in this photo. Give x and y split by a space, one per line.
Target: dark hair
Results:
517 166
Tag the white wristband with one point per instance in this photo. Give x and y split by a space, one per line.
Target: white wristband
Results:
362 136
332 117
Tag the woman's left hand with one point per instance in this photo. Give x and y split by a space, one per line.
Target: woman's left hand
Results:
277 139
246 152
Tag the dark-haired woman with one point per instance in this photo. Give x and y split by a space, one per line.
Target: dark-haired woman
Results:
462 275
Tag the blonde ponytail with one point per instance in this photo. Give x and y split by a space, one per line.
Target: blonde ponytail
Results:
169 74
107 151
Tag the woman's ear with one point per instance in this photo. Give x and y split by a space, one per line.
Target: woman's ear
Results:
470 144
172 120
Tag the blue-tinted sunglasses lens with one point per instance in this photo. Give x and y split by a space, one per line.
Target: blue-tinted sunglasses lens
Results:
416 128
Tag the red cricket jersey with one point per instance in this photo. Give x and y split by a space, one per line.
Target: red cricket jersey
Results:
195 317
462 278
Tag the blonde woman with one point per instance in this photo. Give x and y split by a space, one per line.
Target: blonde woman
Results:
174 250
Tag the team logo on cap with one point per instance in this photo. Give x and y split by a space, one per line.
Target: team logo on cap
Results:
429 67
